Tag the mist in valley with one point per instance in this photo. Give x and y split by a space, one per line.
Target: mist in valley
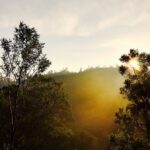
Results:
95 97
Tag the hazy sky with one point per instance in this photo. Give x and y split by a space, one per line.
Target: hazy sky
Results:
81 33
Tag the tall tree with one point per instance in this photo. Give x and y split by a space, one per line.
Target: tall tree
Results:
134 121
22 59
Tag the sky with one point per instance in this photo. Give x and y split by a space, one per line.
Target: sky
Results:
81 33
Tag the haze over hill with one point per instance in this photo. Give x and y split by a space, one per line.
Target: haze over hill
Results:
94 95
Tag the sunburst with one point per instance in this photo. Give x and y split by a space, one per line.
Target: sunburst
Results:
134 64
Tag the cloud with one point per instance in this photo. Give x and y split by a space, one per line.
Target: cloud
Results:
74 17
77 27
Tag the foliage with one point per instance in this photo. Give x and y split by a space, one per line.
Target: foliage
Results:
40 105
23 56
134 122
22 59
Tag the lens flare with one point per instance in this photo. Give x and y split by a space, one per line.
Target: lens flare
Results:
134 64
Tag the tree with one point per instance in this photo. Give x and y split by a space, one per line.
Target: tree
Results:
134 121
22 59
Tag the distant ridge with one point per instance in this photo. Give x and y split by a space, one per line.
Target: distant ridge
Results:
94 95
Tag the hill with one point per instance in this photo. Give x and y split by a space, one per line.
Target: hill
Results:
94 96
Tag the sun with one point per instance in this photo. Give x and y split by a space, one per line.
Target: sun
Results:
134 64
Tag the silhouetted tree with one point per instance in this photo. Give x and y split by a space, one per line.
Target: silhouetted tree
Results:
134 121
22 58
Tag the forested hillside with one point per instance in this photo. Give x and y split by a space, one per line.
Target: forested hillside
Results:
94 96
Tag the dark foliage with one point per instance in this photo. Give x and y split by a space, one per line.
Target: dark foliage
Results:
134 122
